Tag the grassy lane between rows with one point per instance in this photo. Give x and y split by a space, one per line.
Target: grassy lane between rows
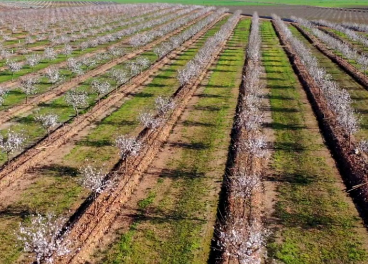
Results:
56 188
179 211
316 221
357 92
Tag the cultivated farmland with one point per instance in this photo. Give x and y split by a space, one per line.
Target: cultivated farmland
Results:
169 133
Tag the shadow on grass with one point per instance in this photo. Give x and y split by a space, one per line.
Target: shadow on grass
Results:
207 108
11 211
59 170
212 95
54 105
118 123
143 95
177 174
297 178
280 126
25 120
197 124
288 146
194 145
285 110
94 143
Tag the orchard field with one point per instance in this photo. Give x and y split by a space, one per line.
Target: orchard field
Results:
170 133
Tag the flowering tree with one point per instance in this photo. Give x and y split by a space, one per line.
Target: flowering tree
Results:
128 146
76 99
53 74
11 142
100 88
164 105
148 120
67 50
3 93
74 66
33 60
120 77
47 121
143 63
27 85
42 237
363 61
49 53
94 180
13 66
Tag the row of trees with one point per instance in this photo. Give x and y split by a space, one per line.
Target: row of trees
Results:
148 36
153 20
77 99
241 236
349 33
338 99
49 232
176 41
45 236
70 20
347 51
50 53
195 66
84 27
355 26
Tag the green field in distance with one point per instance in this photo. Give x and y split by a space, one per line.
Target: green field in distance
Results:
325 3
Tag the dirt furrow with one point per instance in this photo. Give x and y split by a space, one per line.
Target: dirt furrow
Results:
342 63
61 89
351 163
31 157
88 229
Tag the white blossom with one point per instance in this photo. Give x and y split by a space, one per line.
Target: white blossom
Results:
128 146
12 142
48 121
42 237
76 99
